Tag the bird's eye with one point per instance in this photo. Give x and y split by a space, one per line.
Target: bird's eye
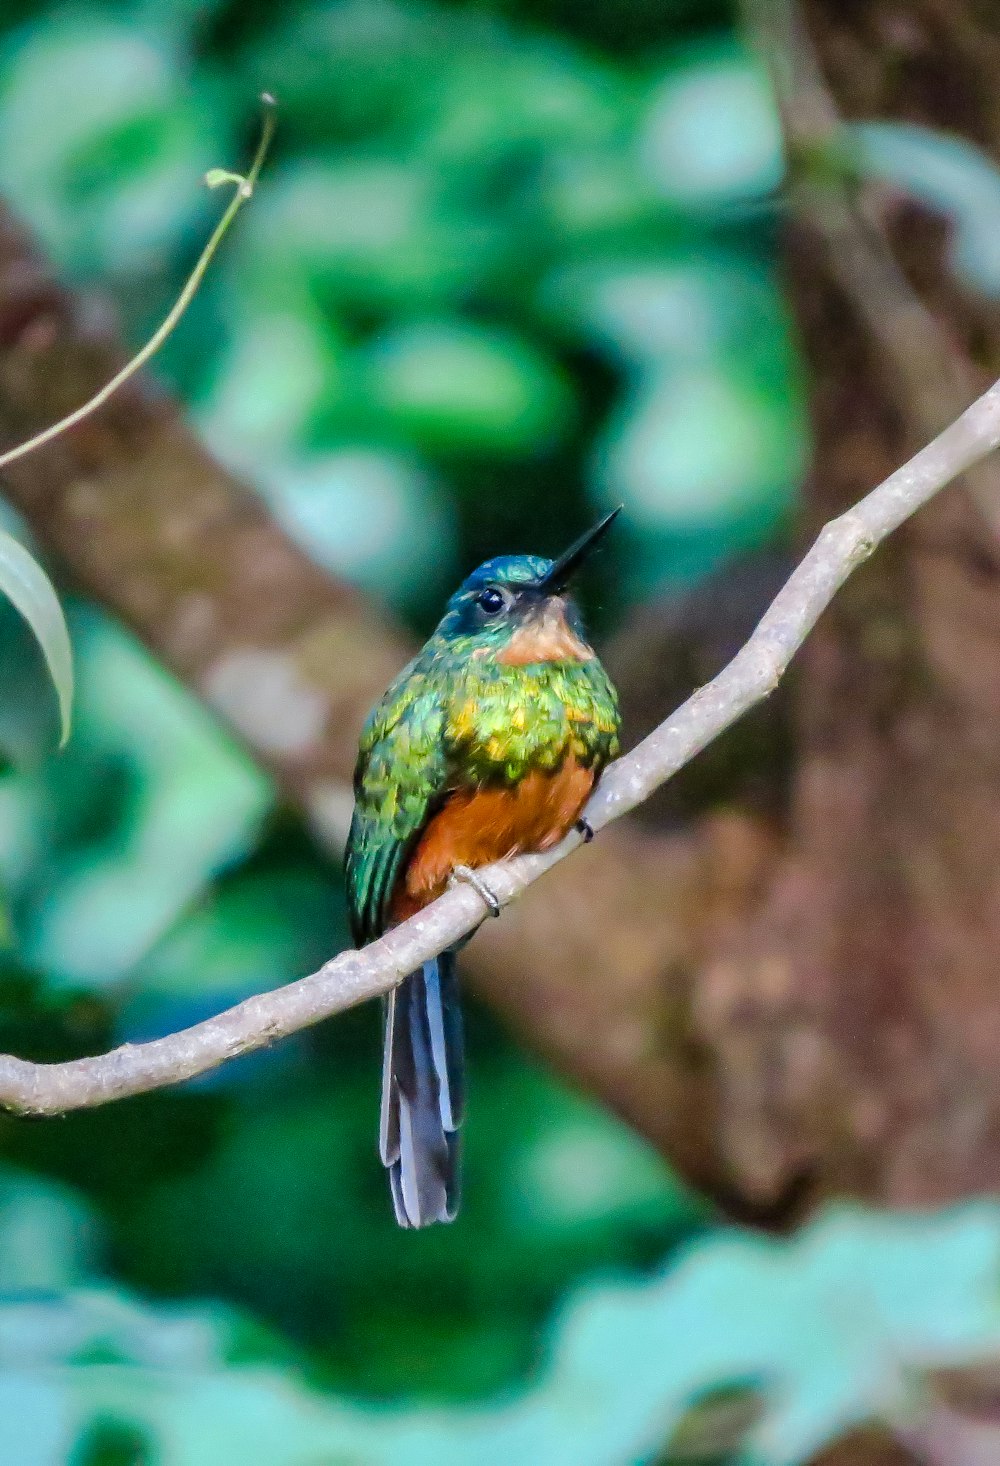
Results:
492 600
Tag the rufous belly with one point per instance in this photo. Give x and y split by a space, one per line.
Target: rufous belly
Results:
477 826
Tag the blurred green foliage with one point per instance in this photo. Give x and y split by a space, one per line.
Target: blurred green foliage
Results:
510 263
492 270
774 1363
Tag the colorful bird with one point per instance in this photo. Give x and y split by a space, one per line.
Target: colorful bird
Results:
487 745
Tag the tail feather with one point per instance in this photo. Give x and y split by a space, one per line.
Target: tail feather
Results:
422 1094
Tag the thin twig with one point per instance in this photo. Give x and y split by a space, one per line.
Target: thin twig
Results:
244 187
354 977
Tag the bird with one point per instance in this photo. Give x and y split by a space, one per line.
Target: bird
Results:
487 745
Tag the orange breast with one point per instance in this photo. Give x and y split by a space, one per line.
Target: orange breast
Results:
547 637
477 826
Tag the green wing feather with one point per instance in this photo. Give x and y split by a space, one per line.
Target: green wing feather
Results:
400 775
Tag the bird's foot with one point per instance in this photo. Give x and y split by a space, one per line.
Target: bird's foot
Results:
468 875
585 828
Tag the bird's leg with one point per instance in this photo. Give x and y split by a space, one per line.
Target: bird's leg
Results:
468 875
584 828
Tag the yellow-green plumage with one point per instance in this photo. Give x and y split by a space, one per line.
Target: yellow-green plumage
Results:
455 717
465 718
506 721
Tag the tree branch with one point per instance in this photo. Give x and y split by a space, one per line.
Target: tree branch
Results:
138 515
352 977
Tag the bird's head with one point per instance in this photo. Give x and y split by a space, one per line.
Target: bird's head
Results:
517 607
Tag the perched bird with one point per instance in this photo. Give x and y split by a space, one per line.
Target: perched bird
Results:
487 745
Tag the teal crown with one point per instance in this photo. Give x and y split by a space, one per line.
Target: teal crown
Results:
501 570
461 617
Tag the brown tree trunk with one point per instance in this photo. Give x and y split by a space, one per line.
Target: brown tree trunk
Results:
858 1023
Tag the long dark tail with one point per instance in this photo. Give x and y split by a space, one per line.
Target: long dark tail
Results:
423 1094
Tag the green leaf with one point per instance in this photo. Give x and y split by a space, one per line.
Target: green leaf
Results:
106 176
950 175
372 516
516 98
259 930
706 460
677 308
279 364
711 137
25 584
49 1237
461 387
354 68
700 446
372 231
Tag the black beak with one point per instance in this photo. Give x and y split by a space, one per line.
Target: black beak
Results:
570 560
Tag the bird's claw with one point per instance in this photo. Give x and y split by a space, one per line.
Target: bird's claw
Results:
585 828
468 875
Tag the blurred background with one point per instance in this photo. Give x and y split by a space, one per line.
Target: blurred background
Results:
511 262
